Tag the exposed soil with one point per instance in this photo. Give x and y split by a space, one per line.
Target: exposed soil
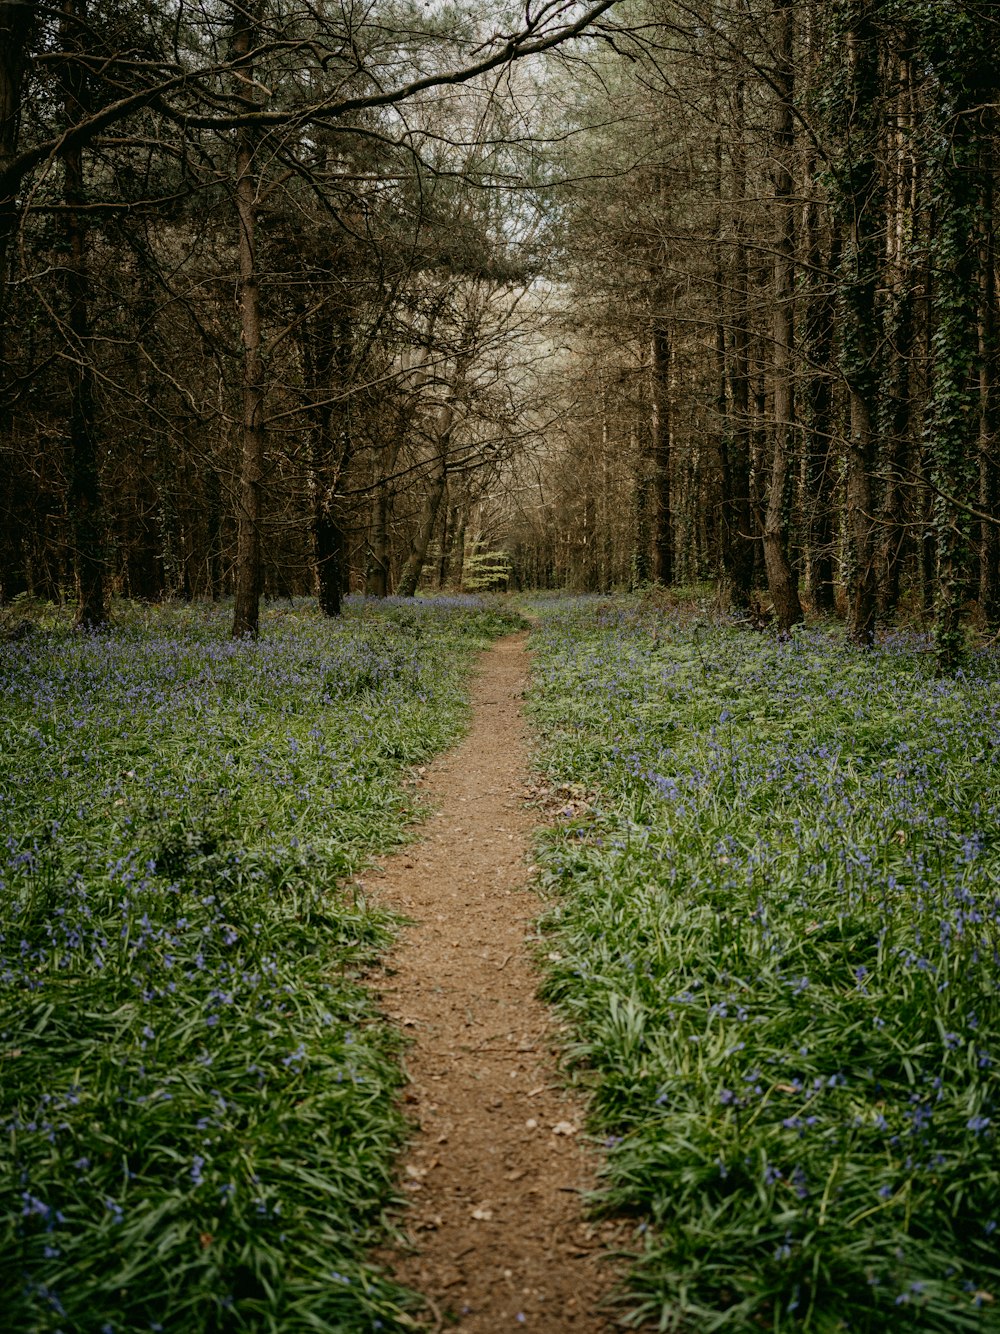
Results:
497 1235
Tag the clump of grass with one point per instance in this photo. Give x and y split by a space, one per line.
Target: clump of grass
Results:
197 1097
778 935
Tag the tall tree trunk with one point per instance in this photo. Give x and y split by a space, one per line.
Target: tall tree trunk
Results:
213 520
956 414
818 418
739 529
253 436
417 557
607 521
860 200
458 552
437 488
330 549
326 345
86 501
377 579
17 22
820 458
663 537
989 389
16 25
449 545
895 426
377 573
781 580
447 513
642 486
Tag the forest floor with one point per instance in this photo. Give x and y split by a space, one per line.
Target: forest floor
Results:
496 1234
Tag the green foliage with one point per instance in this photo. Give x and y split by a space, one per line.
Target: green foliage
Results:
486 570
953 45
776 935
197 1103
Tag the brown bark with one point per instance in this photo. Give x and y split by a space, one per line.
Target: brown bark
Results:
860 323
246 605
989 395
326 359
86 502
820 461
447 513
642 569
738 524
377 579
16 21
663 538
458 553
417 557
899 340
781 581
16 25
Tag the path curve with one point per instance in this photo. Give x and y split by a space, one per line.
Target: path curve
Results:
498 1161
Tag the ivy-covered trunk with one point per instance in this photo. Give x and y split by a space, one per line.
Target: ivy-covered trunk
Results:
957 49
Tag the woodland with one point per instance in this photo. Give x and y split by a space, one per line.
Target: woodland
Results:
306 298
675 323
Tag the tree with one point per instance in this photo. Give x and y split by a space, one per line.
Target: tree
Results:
781 581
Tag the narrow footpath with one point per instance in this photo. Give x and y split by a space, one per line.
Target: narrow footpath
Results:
497 1233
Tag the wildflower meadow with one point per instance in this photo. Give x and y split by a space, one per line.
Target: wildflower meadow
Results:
197 1097
775 933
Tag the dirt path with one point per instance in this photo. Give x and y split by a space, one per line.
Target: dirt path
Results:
498 1160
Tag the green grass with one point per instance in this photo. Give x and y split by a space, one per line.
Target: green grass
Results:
197 1095
777 937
